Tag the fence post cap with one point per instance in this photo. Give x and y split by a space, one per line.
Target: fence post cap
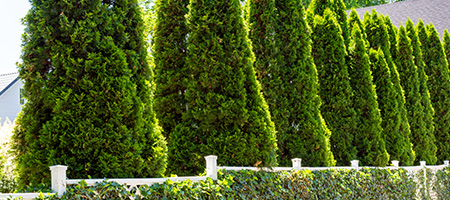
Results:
395 163
211 156
446 162
423 163
58 167
296 159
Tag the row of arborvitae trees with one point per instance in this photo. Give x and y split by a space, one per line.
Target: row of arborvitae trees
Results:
257 87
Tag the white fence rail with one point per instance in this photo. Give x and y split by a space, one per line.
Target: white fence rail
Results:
60 181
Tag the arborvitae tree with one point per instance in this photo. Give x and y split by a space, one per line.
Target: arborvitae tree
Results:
329 54
446 44
398 146
378 38
436 67
428 111
392 31
339 9
368 140
422 138
354 18
169 55
226 113
134 43
318 7
85 103
291 87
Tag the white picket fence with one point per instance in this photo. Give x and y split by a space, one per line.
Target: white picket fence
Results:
60 181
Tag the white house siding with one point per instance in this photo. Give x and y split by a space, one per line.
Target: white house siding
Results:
10 103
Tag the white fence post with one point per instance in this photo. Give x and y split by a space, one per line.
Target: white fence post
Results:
424 164
59 176
211 166
296 163
355 164
395 163
446 163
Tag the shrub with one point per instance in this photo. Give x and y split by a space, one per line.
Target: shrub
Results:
436 67
378 38
446 44
328 51
169 55
7 182
422 138
226 112
369 142
87 86
442 183
289 82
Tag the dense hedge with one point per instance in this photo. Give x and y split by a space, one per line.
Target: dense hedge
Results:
329 53
327 184
369 142
422 138
226 113
87 85
379 39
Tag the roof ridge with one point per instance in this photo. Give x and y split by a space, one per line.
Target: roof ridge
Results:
8 74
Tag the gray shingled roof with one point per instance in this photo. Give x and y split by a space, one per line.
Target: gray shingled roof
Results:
430 11
7 80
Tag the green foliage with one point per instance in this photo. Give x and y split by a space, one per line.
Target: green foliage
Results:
226 112
169 52
428 111
378 37
392 31
368 140
289 82
328 51
436 67
398 146
422 138
317 7
446 44
87 84
338 7
442 183
326 184
354 19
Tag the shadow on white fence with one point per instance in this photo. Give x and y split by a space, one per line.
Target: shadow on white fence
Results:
60 181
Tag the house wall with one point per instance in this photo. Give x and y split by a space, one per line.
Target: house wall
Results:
10 103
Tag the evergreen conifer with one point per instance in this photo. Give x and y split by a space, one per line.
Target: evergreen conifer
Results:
398 146
87 106
328 51
341 16
446 44
291 89
226 114
392 31
428 111
436 67
368 140
169 56
422 138
378 37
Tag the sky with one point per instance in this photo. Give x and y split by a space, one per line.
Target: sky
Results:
11 13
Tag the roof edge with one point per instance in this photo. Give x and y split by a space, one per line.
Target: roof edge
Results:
9 86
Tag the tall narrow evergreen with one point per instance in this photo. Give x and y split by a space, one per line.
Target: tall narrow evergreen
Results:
329 54
87 106
368 140
446 44
339 9
226 113
392 31
398 146
169 54
436 67
378 38
354 18
422 138
291 88
428 111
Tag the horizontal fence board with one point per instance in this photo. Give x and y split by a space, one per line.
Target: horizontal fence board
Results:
137 181
25 196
